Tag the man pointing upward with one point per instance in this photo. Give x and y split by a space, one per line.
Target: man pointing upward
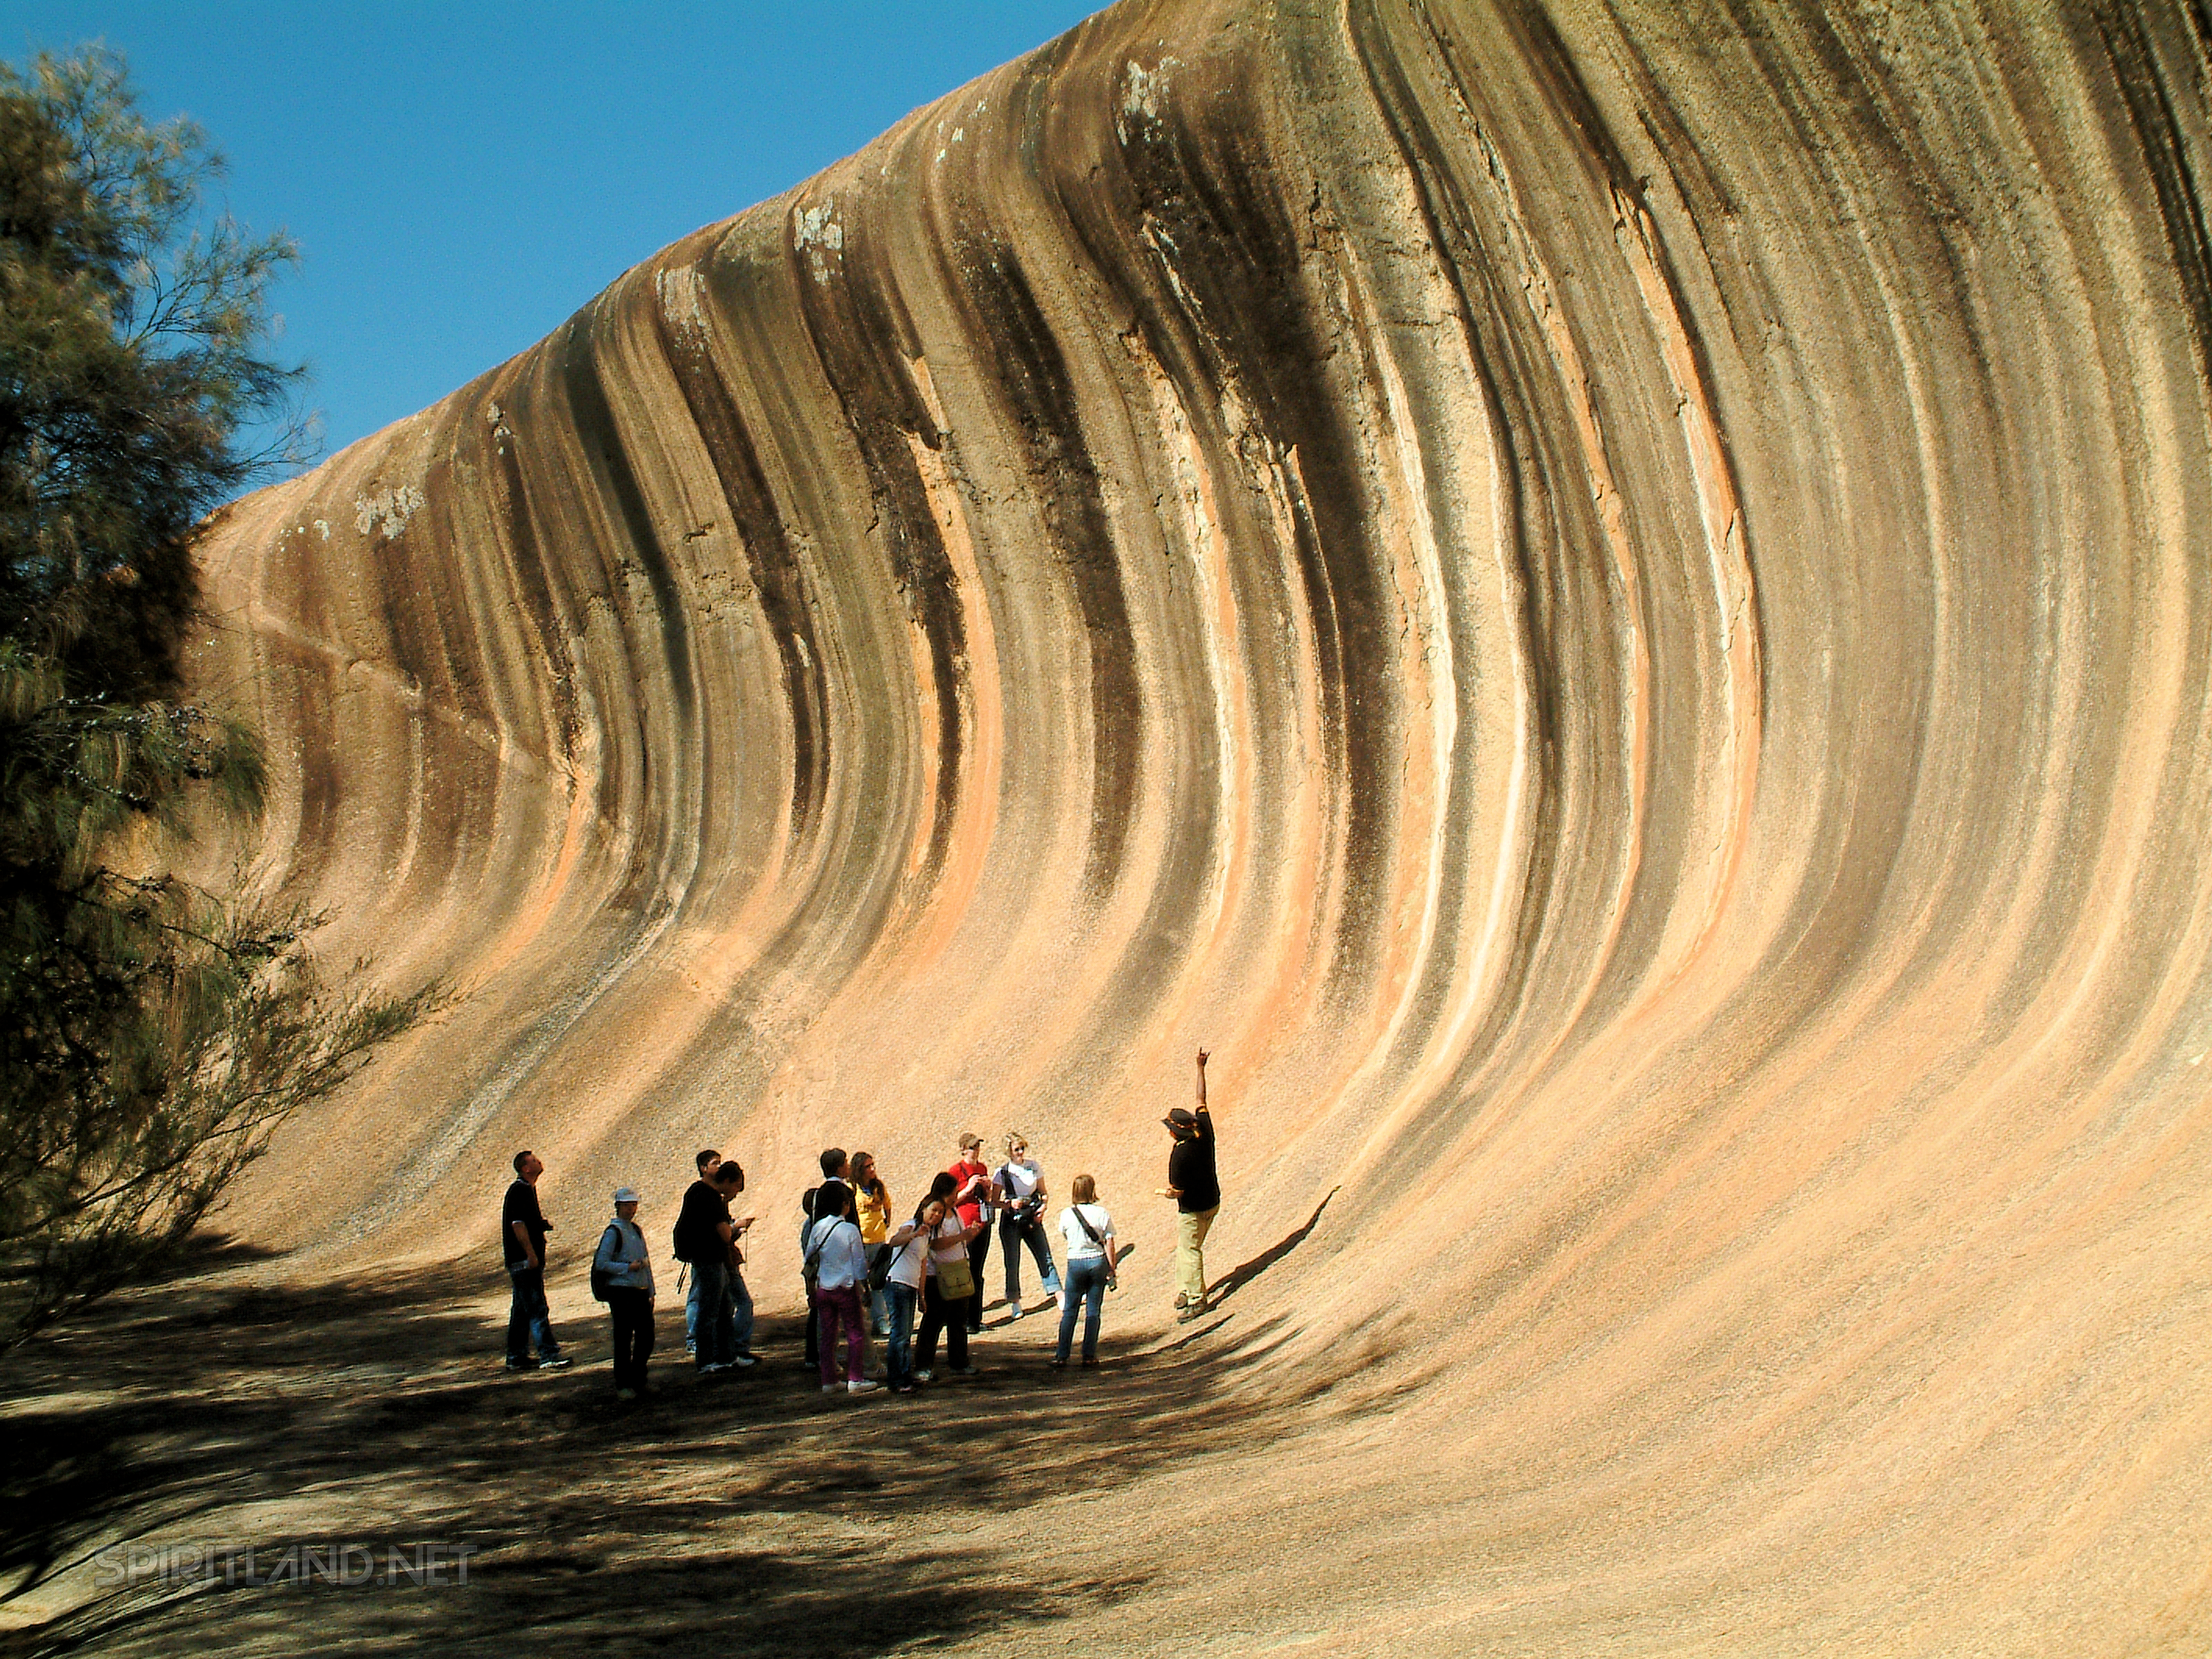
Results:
1196 1189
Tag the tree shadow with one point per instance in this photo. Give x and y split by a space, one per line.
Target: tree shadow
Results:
752 1515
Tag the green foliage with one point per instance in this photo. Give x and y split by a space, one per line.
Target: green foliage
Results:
153 1034
134 343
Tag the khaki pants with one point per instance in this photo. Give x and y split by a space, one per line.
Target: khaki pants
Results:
1191 1228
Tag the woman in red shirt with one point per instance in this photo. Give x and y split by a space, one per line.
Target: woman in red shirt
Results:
972 1195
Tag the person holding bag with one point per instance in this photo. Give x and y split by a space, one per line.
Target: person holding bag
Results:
622 1277
1021 1222
904 1278
948 1288
840 1272
1088 1232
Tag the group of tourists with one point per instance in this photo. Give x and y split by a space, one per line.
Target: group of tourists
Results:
869 1275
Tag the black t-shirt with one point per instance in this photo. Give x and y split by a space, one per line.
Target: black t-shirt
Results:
1190 1169
522 1205
698 1223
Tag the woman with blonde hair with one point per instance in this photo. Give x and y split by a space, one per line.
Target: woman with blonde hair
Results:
1088 1232
1021 1221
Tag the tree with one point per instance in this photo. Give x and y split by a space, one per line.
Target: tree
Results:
152 1033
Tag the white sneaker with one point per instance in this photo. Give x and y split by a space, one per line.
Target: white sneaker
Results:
1013 1310
925 1377
864 1387
828 1387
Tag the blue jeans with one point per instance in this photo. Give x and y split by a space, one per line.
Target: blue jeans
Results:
1012 1232
1086 1282
898 1347
528 1317
741 1300
717 1327
741 1314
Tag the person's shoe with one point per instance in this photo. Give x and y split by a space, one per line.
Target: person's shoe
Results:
743 1360
864 1387
522 1364
960 1370
904 1387
714 1368
1013 1310
1090 1365
625 1393
925 1377
1060 1365
557 1363
1182 1299
1191 1310
830 1388
690 1347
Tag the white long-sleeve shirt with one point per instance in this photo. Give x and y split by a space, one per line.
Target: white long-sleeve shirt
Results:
843 1261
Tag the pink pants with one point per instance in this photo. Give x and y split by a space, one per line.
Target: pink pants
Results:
837 1313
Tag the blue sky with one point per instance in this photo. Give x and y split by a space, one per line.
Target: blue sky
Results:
462 177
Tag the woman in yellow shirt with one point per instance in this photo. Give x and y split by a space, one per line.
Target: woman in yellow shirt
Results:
874 1202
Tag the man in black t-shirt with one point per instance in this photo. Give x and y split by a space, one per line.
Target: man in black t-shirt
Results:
523 1227
707 1237
1195 1187
705 1160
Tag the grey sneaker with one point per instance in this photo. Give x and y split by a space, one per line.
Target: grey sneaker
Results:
743 1360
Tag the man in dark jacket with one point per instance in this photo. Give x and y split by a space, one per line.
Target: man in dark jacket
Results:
1196 1188
523 1227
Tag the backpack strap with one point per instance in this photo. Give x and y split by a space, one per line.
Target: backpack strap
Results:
814 1254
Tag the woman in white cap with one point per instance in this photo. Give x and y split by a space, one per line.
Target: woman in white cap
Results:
623 1268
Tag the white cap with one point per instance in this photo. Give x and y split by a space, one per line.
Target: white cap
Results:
626 1195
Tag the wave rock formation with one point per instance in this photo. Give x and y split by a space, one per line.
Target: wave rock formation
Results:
1609 602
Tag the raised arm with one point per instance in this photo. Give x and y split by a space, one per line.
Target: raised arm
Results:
1201 1079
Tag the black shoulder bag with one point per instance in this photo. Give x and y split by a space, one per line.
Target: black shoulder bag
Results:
1112 1273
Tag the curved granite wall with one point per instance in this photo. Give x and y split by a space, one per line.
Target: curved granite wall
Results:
1609 602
